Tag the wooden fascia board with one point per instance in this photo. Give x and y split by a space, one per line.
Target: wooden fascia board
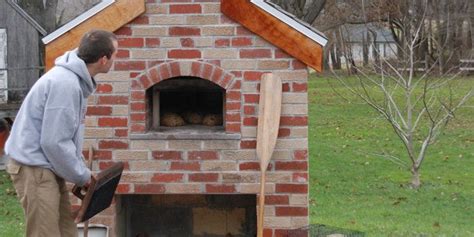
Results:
275 31
111 19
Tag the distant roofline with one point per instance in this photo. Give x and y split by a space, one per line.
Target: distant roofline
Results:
78 20
27 17
295 23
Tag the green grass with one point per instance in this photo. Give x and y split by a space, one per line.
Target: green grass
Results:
11 213
354 188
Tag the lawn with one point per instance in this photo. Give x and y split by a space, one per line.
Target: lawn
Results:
351 186
354 188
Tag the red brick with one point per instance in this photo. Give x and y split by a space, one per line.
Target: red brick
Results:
300 155
137 95
123 31
123 188
241 41
131 42
237 73
166 155
154 75
203 177
220 188
249 144
284 132
255 53
99 110
113 122
291 188
222 43
184 53
217 75
121 132
297 64
253 76
113 100
281 54
285 87
300 87
138 106
267 232
202 155
277 200
232 127
137 128
112 144
291 165
187 42
233 95
291 211
294 121
229 106
129 65
145 81
250 121
184 31
232 117
207 71
237 85
175 69
251 98
164 71
161 178
138 117
152 42
149 188
300 177
252 166
190 166
107 164
225 81
104 88
122 53
196 69
185 8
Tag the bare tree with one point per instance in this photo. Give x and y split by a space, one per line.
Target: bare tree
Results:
306 10
417 106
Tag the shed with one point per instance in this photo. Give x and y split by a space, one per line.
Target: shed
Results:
20 63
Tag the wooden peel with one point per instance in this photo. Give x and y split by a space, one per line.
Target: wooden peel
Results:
267 132
89 164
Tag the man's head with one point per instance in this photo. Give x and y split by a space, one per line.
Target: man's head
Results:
98 47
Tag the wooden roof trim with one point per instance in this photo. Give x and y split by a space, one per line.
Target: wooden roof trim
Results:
275 31
292 21
110 18
78 20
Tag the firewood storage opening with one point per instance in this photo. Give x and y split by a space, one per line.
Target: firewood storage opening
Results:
187 215
186 103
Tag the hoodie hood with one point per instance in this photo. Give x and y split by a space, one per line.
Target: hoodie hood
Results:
72 62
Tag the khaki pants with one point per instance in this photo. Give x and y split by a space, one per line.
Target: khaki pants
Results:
45 201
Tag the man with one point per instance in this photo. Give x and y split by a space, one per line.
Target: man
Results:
45 143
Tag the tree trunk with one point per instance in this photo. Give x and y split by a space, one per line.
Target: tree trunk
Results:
415 178
365 48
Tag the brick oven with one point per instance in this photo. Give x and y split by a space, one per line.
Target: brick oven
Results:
182 63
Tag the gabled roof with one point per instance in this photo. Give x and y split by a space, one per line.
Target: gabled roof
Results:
78 20
27 17
280 28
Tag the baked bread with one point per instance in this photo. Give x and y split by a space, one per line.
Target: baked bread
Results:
171 120
212 120
192 118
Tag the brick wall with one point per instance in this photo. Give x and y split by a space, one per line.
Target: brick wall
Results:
193 38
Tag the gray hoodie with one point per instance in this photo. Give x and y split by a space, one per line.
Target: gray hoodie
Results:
49 128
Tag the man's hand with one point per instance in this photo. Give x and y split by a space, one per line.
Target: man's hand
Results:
84 190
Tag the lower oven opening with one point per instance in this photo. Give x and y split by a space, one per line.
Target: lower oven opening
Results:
187 103
187 215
